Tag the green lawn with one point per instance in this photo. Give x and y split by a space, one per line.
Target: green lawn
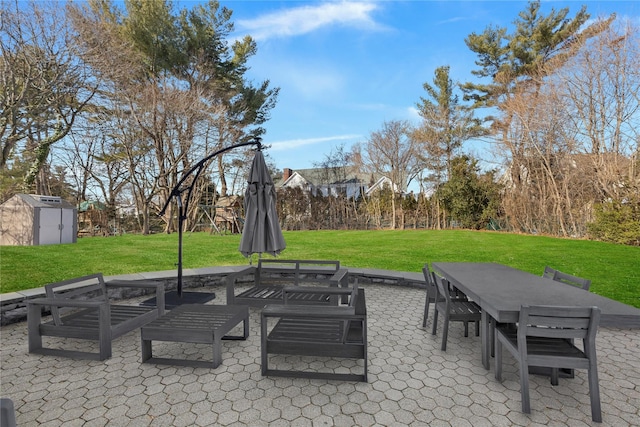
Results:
613 269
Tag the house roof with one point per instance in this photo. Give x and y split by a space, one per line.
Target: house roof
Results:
332 176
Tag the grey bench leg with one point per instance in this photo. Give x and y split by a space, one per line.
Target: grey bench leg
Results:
104 331
245 334
217 351
146 350
34 317
263 345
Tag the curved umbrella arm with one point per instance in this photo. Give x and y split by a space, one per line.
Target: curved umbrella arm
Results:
178 190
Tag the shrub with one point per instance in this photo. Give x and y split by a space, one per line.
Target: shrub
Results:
617 222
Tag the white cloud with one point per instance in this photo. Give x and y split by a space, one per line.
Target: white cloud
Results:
297 143
305 19
371 106
453 20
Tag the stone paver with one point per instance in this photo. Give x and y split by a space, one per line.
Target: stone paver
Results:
411 382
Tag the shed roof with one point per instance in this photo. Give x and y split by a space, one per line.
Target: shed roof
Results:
41 201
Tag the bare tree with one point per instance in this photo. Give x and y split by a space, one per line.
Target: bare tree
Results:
518 64
602 86
44 84
178 86
391 152
544 143
573 134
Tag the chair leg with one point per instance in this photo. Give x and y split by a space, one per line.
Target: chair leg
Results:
477 328
594 392
498 353
524 386
492 336
426 311
445 332
435 320
466 329
554 376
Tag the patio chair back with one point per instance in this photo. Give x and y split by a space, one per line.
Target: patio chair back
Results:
568 279
430 294
549 272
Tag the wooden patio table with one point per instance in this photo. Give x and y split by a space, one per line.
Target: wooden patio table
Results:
500 290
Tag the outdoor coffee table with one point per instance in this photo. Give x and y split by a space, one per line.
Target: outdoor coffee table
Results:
194 323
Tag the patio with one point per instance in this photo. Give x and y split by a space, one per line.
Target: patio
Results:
411 382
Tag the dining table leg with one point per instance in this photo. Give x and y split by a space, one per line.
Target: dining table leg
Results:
485 339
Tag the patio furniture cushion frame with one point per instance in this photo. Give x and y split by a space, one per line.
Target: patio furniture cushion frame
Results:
81 309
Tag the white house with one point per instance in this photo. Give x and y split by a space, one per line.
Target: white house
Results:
345 181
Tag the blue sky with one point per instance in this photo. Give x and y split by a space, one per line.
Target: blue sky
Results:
344 68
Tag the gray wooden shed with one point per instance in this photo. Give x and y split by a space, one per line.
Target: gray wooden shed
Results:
31 219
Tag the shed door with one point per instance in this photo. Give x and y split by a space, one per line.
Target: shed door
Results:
66 226
50 222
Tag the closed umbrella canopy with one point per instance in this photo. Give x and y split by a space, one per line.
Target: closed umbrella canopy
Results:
261 232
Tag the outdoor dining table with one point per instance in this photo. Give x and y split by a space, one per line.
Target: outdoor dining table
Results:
501 290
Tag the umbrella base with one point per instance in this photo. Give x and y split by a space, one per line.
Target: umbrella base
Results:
172 299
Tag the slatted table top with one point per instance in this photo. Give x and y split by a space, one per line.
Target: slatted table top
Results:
193 317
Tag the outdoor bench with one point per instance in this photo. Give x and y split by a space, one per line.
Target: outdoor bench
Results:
80 309
304 330
270 276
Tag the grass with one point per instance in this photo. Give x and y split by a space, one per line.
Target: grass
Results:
613 269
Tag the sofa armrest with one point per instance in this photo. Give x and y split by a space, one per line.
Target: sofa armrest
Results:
231 282
64 302
340 278
142 284
311 312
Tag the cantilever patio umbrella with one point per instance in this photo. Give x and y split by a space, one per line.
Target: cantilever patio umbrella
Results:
261 232
182 194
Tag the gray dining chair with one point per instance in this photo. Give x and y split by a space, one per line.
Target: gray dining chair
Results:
568 279
454 308
431 293
545 338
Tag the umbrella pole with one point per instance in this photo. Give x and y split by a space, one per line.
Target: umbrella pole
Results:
180 226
